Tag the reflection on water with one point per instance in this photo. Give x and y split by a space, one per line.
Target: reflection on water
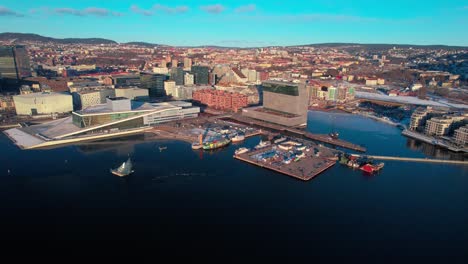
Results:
434 151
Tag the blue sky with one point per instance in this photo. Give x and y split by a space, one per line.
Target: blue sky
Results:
243 22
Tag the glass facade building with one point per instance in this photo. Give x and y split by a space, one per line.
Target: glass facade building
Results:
201 74
14 62
154 83
177 75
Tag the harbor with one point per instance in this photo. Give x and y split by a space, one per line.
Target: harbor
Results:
323 138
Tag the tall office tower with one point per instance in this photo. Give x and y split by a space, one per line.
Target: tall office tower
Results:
187 63
14 62
188 79
174 63
154 83
201 74
177 75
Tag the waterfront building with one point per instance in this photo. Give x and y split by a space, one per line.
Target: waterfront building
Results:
461 136
43 103
117 117
418 119
438 126
284 103
444 125
201 74
154 83
132 93
14 62
421 115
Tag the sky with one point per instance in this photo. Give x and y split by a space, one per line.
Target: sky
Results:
243 23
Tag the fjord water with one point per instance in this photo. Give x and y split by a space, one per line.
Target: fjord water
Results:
192 201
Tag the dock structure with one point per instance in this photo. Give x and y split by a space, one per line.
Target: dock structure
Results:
296 132
305 169
425 160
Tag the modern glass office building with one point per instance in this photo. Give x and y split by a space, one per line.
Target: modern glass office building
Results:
154 83
201 74
14 62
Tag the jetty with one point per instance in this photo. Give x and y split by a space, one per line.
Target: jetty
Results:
425 160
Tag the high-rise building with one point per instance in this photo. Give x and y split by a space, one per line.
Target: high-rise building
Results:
169 87
174 63
177 75
188 79
14 62
201 74
284 103
154 83
187 63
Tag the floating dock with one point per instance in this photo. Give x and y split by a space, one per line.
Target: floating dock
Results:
305 169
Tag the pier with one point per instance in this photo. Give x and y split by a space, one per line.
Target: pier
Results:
297 132
306 168
426 160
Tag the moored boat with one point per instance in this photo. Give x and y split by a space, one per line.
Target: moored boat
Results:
238 138
263 144
196 145
241 151
216 144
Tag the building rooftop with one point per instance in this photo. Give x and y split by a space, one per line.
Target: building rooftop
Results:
43 94
118 98
135 106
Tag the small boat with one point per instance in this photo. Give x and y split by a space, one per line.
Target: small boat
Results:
279 140
238 138
263 144
370 168
241 151
334 135
124 169
196 145
162 148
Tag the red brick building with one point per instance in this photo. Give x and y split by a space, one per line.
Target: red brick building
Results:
221 99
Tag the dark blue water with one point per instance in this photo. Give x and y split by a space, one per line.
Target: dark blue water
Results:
199 202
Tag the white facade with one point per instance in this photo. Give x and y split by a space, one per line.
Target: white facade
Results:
189 79
43 103
160 70
169 87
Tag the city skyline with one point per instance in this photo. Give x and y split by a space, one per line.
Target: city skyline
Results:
243 23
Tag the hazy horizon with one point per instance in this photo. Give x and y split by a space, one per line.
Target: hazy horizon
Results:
243 23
